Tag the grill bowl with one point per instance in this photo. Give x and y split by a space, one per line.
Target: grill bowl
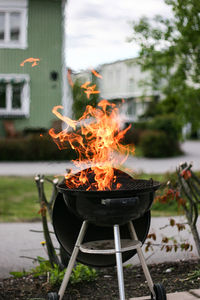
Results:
116 206
67 227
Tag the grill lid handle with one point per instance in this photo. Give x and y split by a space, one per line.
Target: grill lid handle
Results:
121 202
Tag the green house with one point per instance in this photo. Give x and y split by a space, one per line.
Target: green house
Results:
32 62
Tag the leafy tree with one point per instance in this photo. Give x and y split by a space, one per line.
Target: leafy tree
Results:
170 50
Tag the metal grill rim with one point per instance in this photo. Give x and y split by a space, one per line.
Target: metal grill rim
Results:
132 185
127 182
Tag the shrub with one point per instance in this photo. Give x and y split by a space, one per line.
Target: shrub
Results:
158 144
31 131
80 273
83 273
33 148
12 149
167 123
133 135
162 138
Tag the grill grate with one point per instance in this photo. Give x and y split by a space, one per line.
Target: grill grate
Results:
123 182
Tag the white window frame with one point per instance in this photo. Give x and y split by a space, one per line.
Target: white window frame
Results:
25 95
12 6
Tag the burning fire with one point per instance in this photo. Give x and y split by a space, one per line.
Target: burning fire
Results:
69 78
96 136
34 61
96 74
89 89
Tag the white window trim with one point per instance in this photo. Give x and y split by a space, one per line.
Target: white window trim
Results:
13 3
25 110
15 6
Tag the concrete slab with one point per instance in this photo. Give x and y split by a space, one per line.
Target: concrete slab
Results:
191 295
196 292
19 244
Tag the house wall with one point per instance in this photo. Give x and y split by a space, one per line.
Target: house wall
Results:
121 79
44 42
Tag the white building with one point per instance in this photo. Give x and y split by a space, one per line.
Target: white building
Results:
124 80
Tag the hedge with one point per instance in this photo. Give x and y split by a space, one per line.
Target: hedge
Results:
157 144
33 148
167 123
158 137
133 135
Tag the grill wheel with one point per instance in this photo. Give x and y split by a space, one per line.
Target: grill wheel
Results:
52 296
159 291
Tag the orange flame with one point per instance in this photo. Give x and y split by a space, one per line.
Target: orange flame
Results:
32 60
96 74
69 77
89 89
95 137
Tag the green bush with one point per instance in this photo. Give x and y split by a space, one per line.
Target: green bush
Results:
83 273
141 125
80 273
133 135
158 144
12 149
33 148
167 123
162 137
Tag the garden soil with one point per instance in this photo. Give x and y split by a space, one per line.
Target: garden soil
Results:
175 277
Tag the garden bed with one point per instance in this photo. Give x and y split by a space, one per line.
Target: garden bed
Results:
174 276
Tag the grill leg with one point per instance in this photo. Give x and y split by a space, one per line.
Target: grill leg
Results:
72 260
142 259
119 262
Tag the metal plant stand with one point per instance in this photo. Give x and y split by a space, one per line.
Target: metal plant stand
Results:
111 247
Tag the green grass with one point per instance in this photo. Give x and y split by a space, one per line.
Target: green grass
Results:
19 198
166 210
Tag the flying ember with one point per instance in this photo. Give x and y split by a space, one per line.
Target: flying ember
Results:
34 61
96 137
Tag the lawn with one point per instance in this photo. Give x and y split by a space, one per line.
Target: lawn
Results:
19 198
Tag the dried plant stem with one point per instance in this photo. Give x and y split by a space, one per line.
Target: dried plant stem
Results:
191 191
44 207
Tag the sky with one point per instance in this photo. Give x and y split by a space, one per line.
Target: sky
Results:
97 30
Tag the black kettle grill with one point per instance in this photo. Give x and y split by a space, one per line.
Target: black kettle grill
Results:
85 220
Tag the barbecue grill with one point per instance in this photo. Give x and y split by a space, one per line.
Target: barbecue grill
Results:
85 219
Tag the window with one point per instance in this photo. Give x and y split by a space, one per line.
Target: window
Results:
14 95
13 24
131 109
131 85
